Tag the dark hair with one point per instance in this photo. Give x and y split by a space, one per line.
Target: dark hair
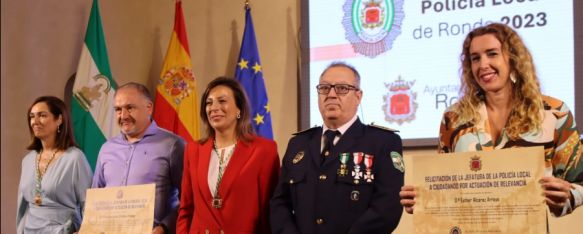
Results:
345 65
243 129
64 137
137 86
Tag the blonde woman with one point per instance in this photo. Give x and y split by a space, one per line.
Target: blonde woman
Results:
502 107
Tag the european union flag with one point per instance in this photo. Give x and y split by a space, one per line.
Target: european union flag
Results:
250 74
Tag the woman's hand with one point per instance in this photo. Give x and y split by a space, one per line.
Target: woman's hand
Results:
557 192
407 195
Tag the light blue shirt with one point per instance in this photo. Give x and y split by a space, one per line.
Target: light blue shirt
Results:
63 189
156 158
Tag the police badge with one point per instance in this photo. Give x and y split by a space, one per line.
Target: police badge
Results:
299 156
371 26
397 161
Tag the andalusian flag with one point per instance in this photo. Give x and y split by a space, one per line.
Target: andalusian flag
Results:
176 107
250 74
92 103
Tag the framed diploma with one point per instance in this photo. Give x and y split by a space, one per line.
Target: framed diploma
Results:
479 192
128 209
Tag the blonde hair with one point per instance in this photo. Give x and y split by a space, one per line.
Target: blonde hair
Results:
526 95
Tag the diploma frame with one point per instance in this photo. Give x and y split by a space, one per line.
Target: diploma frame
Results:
478 192
127 209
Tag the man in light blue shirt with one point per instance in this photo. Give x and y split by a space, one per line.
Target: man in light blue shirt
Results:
142 154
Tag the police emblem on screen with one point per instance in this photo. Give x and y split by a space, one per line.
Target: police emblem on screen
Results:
372 26
400 101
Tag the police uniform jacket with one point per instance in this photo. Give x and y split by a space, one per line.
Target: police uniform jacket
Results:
311 196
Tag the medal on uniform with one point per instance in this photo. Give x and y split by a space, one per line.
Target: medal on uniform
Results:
368 161
356 173
217 202
343 160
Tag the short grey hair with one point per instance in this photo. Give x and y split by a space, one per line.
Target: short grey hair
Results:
137 86
345 65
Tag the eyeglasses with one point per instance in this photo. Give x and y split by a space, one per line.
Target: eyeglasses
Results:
338 88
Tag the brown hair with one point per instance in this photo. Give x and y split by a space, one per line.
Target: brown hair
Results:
243 129
526 95
64 138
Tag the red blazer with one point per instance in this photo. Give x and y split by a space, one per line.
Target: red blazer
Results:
246 187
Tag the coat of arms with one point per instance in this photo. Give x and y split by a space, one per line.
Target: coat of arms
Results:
475 163
371 26
178 83
400 102
92 92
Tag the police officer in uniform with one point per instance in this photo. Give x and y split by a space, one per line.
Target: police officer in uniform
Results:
343 177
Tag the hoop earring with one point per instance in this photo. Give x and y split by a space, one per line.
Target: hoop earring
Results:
238 115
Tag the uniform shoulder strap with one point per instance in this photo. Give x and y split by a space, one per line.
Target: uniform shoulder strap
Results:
382 127
306 130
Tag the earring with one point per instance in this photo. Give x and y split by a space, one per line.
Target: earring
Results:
512 78
59 129
238 115
480 94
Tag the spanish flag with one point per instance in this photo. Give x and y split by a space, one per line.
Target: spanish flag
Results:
176 107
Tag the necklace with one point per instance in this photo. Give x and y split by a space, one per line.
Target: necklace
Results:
39 177
217 201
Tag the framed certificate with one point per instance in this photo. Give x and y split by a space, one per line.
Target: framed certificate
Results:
128 209
479 192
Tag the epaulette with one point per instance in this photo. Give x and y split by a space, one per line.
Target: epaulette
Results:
305 130
382 127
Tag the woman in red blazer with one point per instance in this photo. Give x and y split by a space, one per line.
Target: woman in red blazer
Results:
230 174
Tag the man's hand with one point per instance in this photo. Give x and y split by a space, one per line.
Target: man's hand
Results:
158 230
407 195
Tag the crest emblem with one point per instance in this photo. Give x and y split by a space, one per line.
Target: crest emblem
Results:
400 102
299 156
398 161
372 26
178 83
87 95
475 163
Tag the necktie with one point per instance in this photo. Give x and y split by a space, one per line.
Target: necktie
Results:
329 136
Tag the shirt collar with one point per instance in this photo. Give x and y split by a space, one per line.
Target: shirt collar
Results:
342 129
151 130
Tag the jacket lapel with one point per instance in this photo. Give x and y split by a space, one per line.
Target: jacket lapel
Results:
315 148
346 141
204 155
241 155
